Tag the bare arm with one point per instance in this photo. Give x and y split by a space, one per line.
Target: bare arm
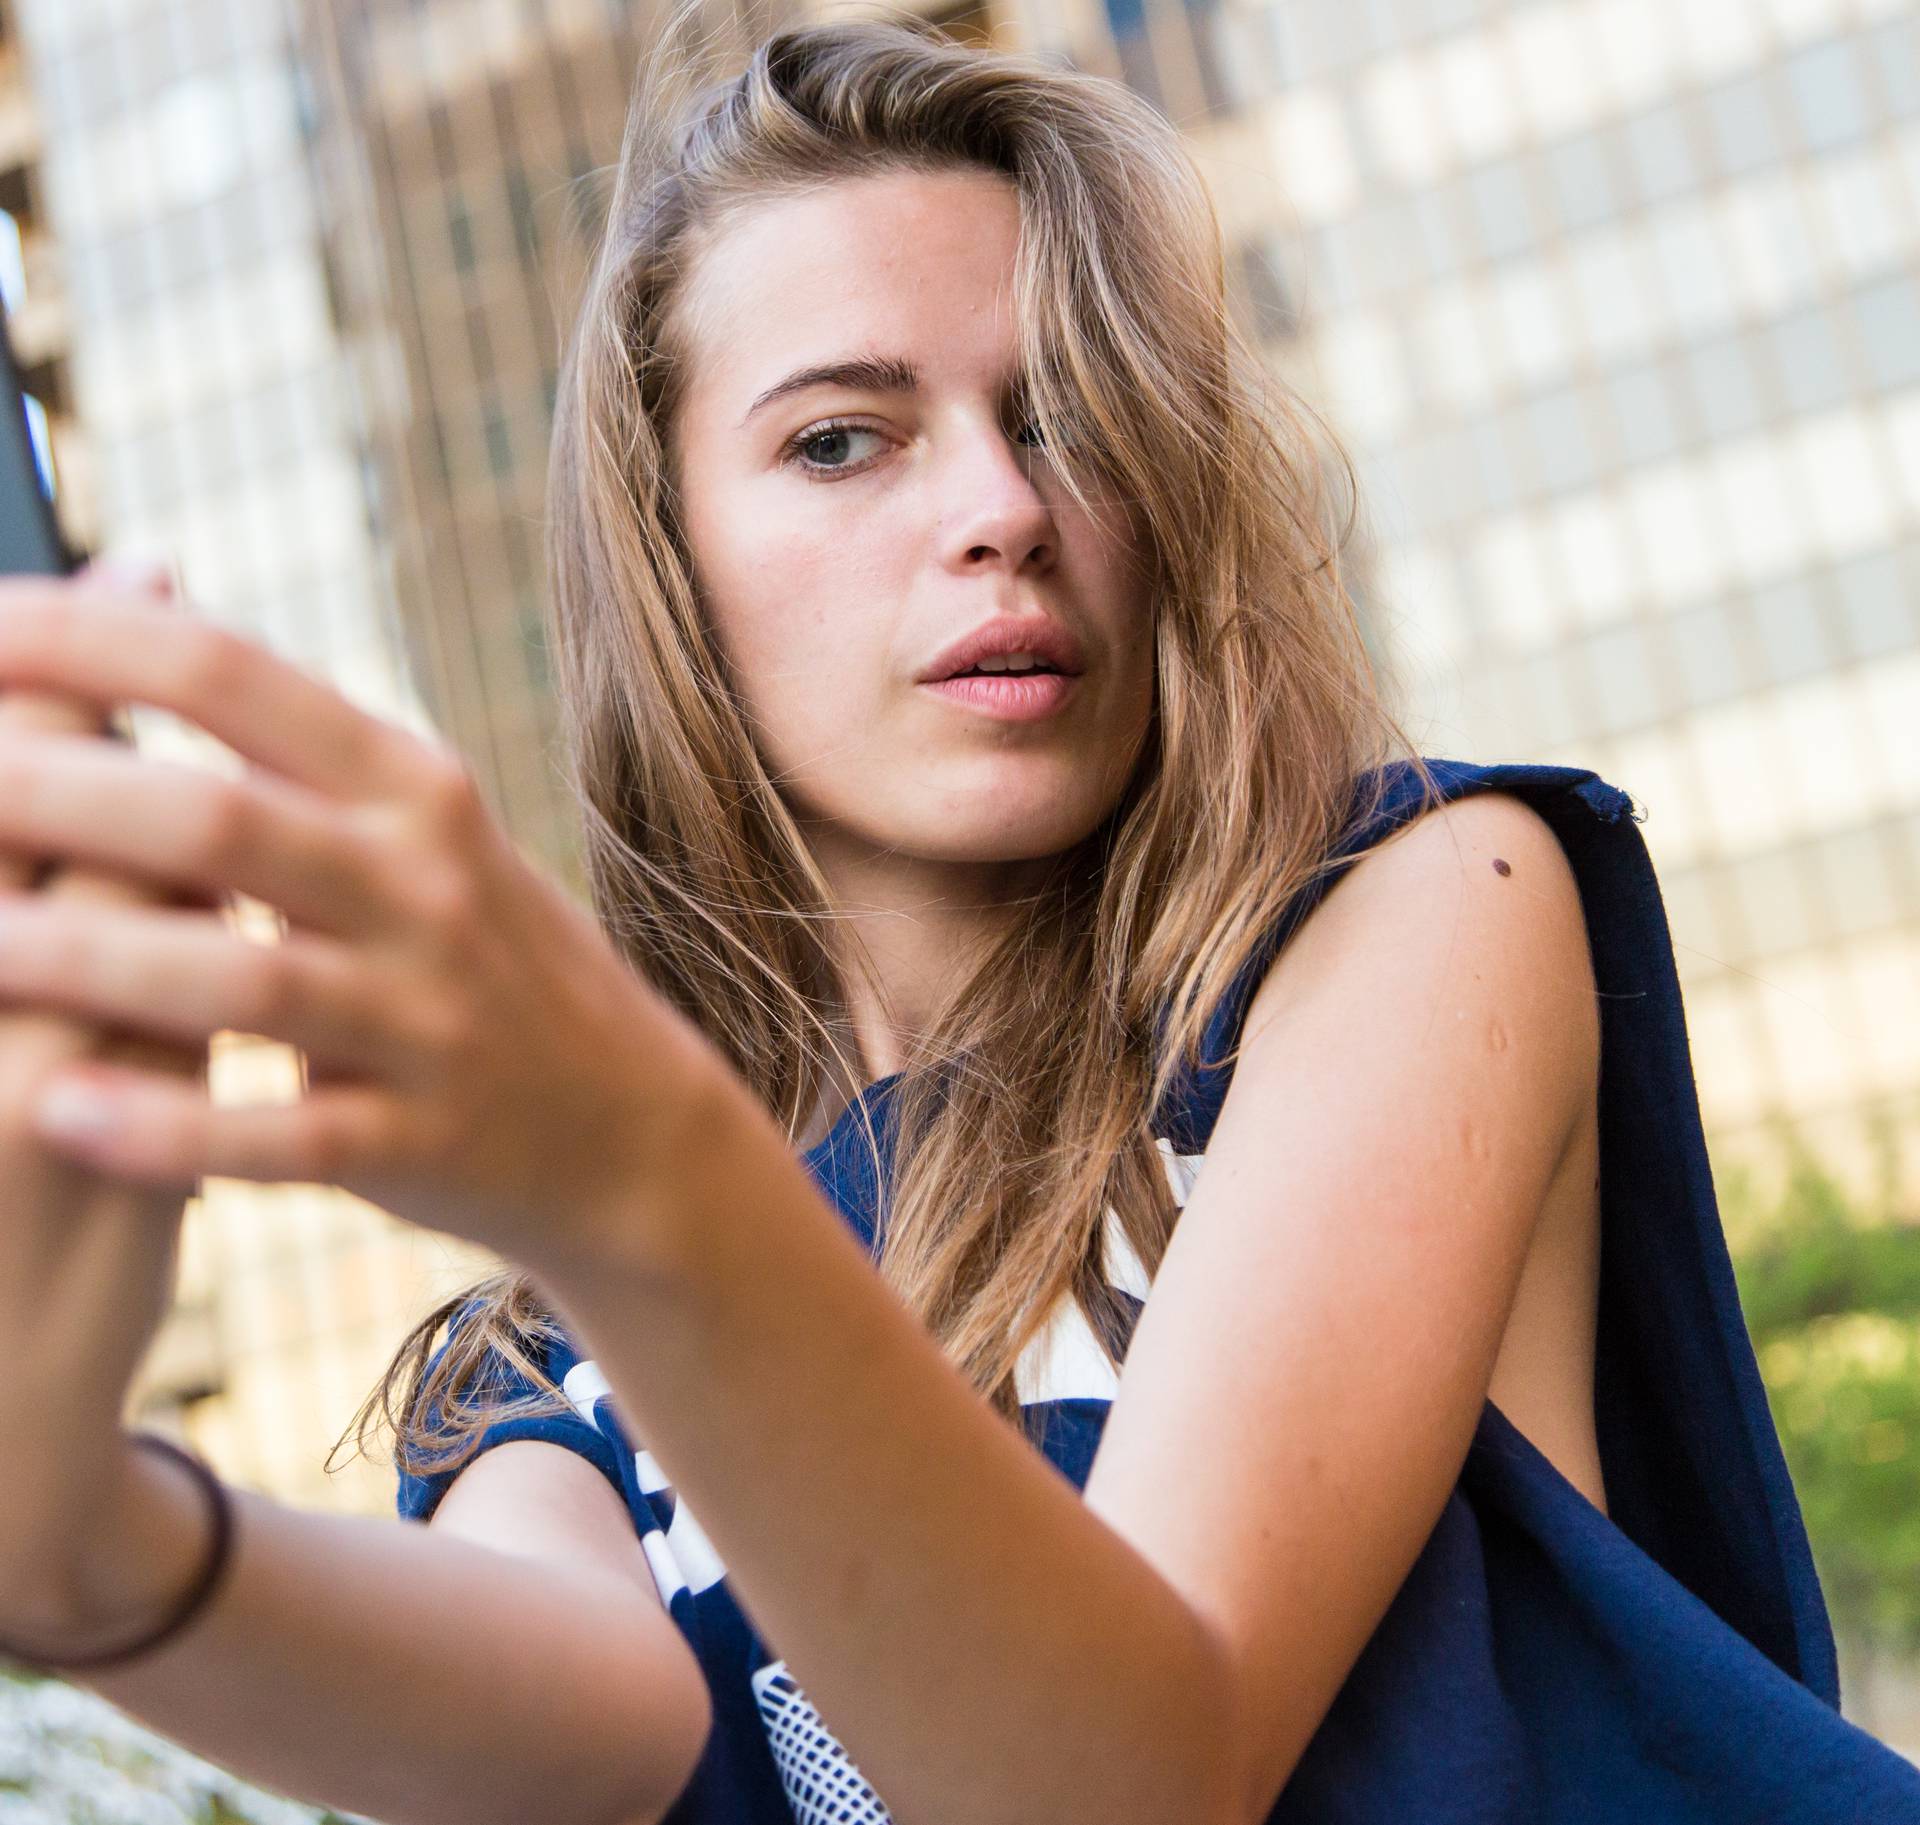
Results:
989 1646
506 1662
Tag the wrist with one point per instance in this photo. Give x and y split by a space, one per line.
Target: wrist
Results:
120 1568
635 1215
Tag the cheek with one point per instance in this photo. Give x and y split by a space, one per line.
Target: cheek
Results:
814 679
784 588
763 587
805 601
826 747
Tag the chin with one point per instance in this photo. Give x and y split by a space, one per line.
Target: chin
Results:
997 830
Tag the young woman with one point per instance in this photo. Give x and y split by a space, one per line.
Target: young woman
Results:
941 1044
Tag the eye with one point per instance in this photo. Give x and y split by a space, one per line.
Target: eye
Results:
794 451
1067 437
1024 421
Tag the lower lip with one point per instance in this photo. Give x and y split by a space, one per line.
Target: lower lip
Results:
1010 698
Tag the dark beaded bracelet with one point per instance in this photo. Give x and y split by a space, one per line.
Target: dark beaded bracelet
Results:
197 1595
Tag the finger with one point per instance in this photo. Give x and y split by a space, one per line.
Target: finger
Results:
48 713
85 887
157 1132
142 573
32 712
36 712
181 976
195 831
88 888
51 713
41 713
34 874
140 1051
96 640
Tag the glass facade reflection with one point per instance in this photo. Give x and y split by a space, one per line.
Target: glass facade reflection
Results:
1615 304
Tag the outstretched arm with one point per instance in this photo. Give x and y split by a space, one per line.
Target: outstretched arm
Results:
1306 1376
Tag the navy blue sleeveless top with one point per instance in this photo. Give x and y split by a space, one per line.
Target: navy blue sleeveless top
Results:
1543 1663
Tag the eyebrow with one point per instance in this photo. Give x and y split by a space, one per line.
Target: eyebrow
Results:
863 373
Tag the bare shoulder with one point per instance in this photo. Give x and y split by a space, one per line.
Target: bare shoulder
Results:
1480 839
542 1501
1472 907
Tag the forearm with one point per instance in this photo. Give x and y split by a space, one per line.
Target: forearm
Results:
987 1647
379 1667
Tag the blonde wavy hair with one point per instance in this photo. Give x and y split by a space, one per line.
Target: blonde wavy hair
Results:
1026 1112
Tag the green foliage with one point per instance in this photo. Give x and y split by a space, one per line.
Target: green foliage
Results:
1830 1285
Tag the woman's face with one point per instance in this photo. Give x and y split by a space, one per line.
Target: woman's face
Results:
844 534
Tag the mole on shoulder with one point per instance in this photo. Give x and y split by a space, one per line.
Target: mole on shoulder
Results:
1500 866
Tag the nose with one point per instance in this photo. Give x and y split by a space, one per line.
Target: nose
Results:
1002 519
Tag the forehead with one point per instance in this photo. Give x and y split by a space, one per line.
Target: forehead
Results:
918 262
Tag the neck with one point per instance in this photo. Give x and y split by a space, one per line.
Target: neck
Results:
905 932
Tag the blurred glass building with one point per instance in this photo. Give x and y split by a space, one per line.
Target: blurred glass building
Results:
176 299
1613 303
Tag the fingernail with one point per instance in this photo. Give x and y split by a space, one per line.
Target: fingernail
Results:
135 570
75 1109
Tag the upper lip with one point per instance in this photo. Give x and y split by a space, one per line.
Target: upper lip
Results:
1045 639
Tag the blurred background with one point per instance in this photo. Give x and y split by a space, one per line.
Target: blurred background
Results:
1613 302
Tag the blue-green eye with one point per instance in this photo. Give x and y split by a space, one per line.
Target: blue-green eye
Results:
795 451
795 448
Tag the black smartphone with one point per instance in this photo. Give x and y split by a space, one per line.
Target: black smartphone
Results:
31 541
30 537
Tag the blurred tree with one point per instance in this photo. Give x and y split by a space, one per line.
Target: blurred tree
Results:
1830 1283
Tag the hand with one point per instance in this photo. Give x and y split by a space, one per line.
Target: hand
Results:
482 1061
87 1265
